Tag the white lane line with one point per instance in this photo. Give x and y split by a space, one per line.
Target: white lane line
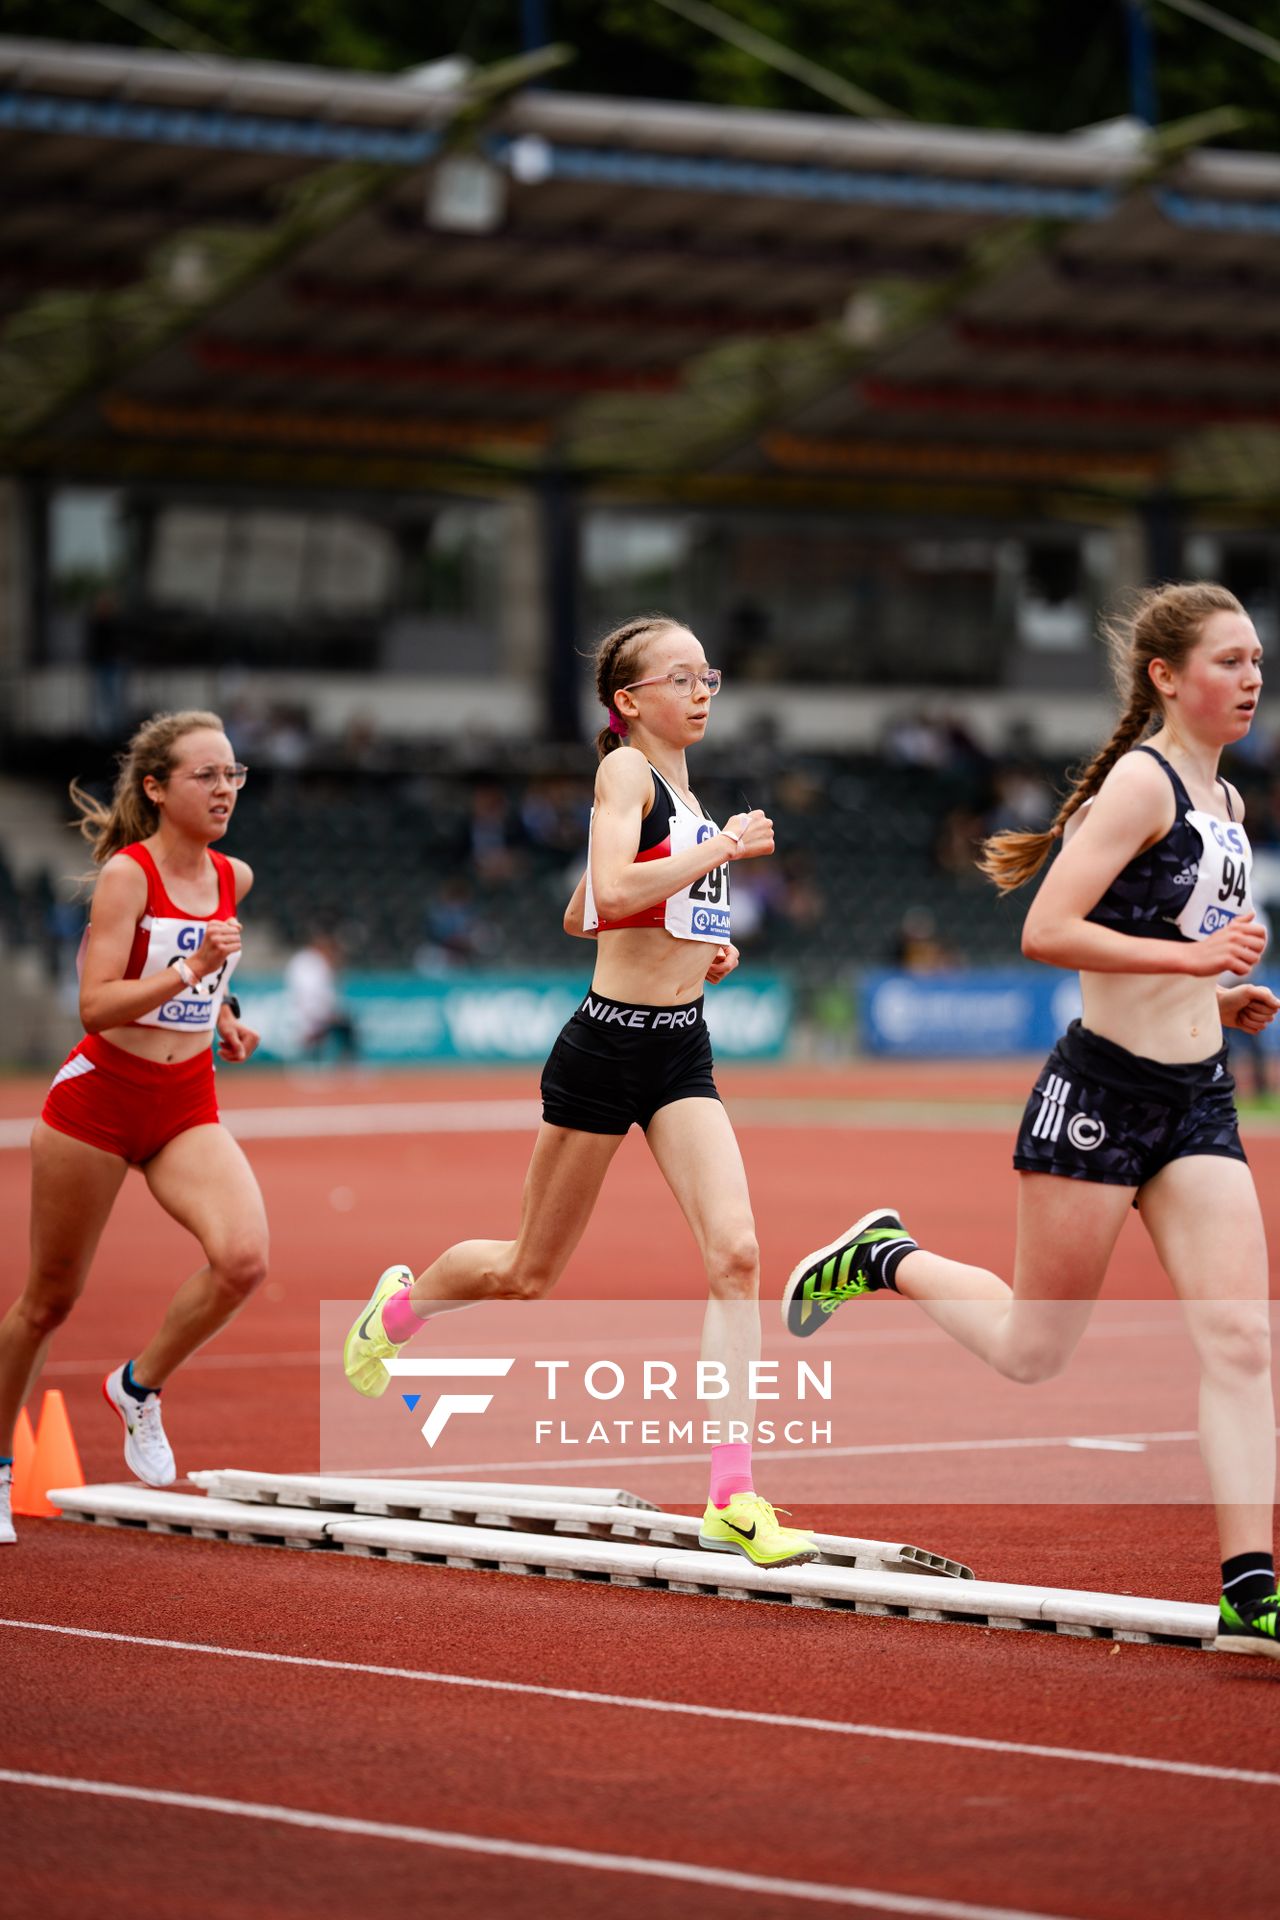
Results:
639 1703
523 1116
1128 1442
200 1362
621 1863
1159 1326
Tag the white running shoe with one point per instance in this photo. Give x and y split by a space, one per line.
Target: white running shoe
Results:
146 1451
8 1537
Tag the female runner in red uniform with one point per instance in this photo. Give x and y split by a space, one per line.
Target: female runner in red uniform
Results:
1149 898
655 897
162 942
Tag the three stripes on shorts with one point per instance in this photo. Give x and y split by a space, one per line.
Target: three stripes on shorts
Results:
1053 1105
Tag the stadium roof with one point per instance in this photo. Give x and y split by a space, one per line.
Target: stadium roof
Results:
230 268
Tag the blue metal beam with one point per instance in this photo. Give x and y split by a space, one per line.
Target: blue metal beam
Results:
321 140
216 128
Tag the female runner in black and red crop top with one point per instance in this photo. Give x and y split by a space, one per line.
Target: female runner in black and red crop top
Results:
655 899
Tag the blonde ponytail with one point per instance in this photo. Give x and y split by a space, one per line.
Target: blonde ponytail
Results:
131 815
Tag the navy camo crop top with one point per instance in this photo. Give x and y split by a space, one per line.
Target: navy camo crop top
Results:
1187 885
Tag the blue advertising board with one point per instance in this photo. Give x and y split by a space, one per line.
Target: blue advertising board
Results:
498 1017
1006 1010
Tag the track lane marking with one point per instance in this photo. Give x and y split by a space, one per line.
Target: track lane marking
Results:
361 1120
1140 1763
865 1451
454 1842
1157 1326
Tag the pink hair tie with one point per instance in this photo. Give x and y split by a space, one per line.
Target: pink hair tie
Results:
616 723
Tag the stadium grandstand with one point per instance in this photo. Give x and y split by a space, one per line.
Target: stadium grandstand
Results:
356 407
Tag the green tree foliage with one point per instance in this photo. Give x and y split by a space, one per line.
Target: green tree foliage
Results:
1033 64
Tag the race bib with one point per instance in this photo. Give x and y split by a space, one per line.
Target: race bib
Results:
1221 891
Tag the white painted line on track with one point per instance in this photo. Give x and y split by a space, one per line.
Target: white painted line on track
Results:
1129 1442
686 1874
639 1703
523 1116
1160 1325
409 1117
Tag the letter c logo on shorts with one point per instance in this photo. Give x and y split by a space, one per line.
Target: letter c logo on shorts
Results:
1085 1132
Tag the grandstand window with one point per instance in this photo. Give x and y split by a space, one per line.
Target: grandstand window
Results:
1247 563
778 598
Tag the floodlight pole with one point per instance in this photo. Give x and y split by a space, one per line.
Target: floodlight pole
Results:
558 504
1142 63
534 29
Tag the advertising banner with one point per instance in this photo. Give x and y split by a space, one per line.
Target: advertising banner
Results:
498 1017
1009 1010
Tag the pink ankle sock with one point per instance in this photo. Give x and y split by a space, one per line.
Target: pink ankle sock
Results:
399 1318
730 1471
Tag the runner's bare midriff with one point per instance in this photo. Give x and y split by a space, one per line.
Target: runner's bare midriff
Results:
649 967
153 1043
1167 1017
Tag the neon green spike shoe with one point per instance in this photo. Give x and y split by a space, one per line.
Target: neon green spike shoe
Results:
367 1345
841 1271
1252 1627
749 1526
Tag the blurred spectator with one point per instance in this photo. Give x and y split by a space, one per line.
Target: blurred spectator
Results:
286 741
1024 801
490 835
311 982
915 740
455 929
1243 1045
959 837
105 648
554 814
919 947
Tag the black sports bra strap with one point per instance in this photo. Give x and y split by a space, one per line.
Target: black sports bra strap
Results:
1178 787
1180 793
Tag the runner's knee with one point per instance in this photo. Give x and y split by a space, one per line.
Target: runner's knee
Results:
50 1297
239 1270
1031 1366
1233 1339
733 1265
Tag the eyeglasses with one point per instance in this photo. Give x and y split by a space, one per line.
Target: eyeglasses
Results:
210 776
682 680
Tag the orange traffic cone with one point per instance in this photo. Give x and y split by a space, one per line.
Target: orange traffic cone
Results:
24 1447
56 1462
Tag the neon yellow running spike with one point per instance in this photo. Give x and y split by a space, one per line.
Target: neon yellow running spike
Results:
1252 1627
367 1345
843 1270
749 1526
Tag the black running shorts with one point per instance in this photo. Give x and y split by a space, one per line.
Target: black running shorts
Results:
614 1063
1101 1113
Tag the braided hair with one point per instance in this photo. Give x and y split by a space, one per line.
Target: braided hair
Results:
1164 624
618 661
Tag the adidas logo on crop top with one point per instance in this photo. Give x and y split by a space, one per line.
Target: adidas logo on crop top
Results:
1187 885
166 933
699 911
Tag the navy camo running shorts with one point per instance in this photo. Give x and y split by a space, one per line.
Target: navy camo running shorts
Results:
1099 1112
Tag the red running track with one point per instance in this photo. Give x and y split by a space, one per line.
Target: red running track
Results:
841 1806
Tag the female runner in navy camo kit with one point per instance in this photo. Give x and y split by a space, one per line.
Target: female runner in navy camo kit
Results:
1149 898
